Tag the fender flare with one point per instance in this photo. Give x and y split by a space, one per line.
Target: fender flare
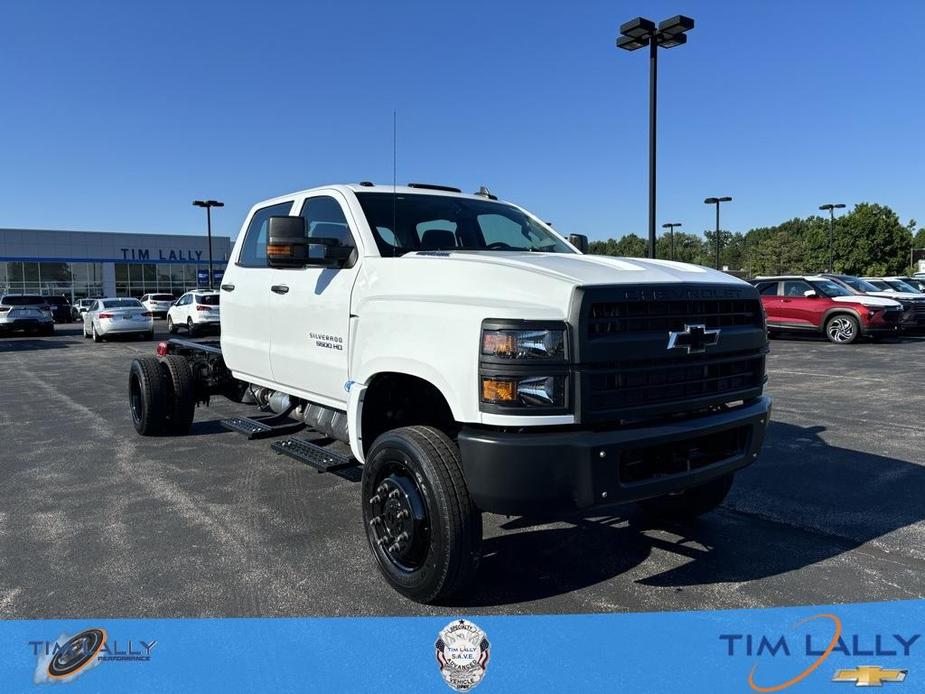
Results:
355 394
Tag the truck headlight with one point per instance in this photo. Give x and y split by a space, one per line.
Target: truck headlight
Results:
524 344
524 391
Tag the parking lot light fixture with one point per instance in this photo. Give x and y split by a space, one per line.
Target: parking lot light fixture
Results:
638 33
670 226
209 204
831 207
717 201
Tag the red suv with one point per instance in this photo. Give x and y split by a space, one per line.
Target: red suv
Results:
817 304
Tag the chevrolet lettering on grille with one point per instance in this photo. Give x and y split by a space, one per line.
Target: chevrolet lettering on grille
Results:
694 338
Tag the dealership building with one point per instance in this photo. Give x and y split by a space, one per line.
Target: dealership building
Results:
81 264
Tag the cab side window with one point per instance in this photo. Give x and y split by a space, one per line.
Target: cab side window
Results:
254 249
324 219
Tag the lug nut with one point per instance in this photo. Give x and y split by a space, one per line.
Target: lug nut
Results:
375 521
401 538
603 454
394 494
375 499
394 548
401 515
382 489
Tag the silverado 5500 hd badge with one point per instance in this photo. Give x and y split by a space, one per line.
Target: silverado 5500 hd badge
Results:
327 341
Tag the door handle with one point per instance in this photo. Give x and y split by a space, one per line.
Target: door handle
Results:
280 288
227 287
786 301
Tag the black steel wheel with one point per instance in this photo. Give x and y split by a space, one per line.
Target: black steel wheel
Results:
147 396
421 525
691 502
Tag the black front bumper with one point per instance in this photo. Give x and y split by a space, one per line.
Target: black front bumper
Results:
523 473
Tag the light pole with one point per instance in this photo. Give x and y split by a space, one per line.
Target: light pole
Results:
638 33
831 207
717 201
670 226
209 204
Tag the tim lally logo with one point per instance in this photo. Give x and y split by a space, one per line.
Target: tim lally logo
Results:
462 651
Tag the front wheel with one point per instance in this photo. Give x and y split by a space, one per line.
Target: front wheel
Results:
842 329
422 527
691 502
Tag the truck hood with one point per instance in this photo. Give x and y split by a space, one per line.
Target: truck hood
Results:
867 300
534 286
585 269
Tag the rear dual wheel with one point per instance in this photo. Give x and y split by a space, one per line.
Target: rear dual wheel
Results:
422 527
161 395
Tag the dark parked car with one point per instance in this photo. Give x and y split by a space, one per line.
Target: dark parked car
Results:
60 308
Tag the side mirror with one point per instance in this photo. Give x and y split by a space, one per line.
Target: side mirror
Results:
579 241
288 245
810 294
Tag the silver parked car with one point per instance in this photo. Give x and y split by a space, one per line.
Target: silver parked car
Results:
25 312
117 316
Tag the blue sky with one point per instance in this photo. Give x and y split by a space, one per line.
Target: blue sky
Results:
116 115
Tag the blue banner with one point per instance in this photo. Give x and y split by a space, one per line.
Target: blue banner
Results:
804 649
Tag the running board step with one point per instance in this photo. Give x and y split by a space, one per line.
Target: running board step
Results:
264 427
318 457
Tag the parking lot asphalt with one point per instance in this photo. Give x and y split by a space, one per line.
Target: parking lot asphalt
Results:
96 521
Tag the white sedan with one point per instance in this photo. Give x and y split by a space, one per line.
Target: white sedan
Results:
117 316
194 311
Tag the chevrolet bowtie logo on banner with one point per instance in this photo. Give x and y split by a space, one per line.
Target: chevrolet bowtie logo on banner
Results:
694 338
869 676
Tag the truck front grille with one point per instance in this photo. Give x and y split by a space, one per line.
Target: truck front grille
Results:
615 317
655 381
627 368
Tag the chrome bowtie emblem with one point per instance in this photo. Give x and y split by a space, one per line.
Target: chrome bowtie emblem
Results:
694 338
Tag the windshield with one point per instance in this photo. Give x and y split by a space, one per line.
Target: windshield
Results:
207 299
901 286
161 297
409 222
122 303
23 300
859 284
830 288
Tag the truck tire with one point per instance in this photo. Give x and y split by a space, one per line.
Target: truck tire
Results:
422 527
179 397
691 502
147 396
842 329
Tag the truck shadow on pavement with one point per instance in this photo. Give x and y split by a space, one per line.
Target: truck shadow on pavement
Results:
803 502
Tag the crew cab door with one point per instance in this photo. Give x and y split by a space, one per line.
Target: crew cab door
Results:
309 313
245 292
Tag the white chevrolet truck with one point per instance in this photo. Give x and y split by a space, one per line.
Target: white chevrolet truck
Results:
470 360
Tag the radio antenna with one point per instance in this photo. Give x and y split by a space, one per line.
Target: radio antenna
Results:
394 178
